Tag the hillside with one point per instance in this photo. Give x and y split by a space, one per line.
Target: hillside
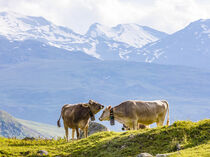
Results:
13 52
192 137
41 86
12 127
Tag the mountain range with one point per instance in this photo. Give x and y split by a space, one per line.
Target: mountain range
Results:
189 46
44 66
131 42
117 41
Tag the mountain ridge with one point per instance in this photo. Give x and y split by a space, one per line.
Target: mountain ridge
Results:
19 128
131 42
132 34
10 127
188 46
19 27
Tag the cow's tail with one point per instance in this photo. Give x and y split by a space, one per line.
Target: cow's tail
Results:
167 123
58 122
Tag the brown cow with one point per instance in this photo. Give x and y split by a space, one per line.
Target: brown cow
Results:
77 116
133 112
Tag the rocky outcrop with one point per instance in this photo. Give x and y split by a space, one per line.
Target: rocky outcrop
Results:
93 128
149 155
42 152
144 155
161 155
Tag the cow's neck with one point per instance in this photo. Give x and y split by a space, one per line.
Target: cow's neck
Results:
111 117
92 115
118 115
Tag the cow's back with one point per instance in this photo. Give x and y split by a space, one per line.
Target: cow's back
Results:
74 114
148 111
127 109
67 110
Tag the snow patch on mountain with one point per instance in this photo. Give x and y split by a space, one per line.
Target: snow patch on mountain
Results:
189 46
111 43
131 34
19 27
92 51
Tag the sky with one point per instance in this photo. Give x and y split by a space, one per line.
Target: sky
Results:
165 15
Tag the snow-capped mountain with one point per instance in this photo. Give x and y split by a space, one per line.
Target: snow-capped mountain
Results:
189 46
131 34
100 41
19 27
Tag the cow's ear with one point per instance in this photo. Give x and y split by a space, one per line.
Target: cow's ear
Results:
109 107
90 101
85 105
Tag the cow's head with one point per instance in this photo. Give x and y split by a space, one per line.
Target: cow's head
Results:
95 107
106 114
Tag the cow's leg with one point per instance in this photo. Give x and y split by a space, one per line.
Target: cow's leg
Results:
159 121
135 125
77 130
73 131
66 131
86 132
141 126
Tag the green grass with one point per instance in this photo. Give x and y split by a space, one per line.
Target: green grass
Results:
194 138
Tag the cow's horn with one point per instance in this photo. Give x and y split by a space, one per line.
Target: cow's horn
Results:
85 105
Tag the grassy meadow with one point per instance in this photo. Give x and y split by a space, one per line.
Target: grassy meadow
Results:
192 137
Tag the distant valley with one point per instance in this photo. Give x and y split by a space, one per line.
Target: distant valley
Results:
44 66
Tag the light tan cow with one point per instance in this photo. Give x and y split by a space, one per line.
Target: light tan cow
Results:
133 112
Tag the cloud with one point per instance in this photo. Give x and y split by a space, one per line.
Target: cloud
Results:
164 15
